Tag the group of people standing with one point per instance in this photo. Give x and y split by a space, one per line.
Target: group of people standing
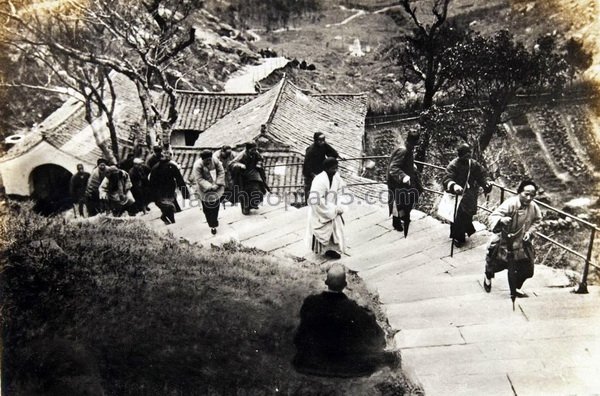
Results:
216 177
129 187
226 176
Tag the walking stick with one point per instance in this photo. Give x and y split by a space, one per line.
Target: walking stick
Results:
454 218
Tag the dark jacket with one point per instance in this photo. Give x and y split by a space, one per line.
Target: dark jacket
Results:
152 160
78 185
314 157
139 176
402 163
337 337
165 178
456 173
140 183
254 171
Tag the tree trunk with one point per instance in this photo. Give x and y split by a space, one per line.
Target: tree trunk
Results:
422 149
490 129
149 115
167 127
98 135
114 140
429 93
430 77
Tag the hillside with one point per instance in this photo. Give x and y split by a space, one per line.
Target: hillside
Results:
326 40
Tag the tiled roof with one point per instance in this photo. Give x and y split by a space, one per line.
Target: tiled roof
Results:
199 110
242 124
292 117
341 117
67 130
29 141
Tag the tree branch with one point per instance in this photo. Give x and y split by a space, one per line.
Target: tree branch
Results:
179 47
412 13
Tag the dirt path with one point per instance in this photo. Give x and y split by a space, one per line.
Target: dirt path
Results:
245 79
345 21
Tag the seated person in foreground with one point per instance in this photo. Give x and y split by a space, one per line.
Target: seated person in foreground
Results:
336 336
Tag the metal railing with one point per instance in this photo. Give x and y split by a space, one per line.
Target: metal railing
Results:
587 258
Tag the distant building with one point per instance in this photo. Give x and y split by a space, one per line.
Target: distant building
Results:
41 163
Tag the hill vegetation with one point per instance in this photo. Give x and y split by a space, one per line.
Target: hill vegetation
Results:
109 306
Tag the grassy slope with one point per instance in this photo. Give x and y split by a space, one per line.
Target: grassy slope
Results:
116 307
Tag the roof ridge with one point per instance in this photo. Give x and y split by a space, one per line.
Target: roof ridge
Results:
325 93
273 110
185 91
340 94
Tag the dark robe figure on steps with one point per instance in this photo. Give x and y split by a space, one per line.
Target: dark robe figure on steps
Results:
313 160
249 177
404 184
455 182
336 336
165 179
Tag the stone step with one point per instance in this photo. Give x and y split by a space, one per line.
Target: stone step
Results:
573 381
270 245
549 330
281 223
467 385
469 309
418 264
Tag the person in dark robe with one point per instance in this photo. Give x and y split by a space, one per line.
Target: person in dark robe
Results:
404 184
140 185
154 157
455 182
77 188
127 163
92 193
225 156
514 223
313 160
165 179
250 178
337 337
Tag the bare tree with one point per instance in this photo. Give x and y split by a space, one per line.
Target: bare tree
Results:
421 52
136 38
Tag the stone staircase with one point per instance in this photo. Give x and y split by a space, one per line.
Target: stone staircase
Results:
454 338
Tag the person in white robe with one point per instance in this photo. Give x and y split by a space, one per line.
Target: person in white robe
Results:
327 203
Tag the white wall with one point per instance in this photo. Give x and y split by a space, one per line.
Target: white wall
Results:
16 172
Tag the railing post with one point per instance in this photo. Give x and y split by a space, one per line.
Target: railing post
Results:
501 194
582 289
454 217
